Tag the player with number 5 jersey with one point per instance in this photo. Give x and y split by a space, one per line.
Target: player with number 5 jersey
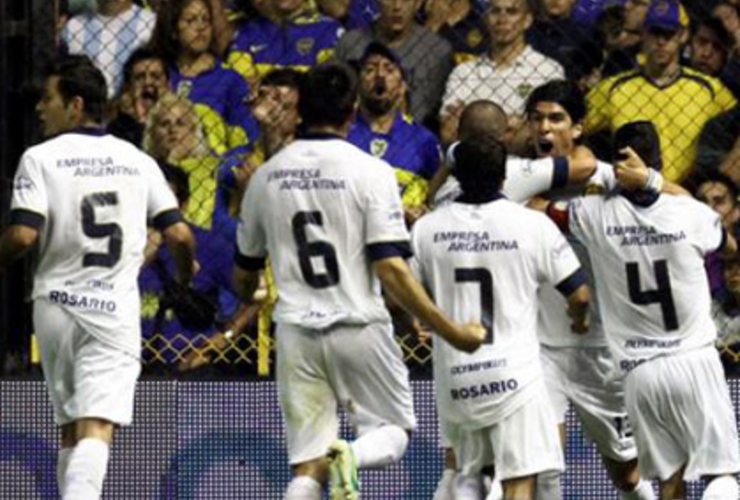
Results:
86 198
484 257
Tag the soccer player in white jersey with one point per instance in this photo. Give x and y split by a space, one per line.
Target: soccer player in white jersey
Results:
85 197
654 296
579 368
484 256
525 177
330 217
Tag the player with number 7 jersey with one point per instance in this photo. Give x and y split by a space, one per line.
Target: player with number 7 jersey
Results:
485 257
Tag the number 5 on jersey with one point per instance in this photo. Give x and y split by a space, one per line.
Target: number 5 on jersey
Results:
484 279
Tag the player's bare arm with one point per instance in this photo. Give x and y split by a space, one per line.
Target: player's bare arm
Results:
632 173
581 165
399 282
181 244
15 242
578 309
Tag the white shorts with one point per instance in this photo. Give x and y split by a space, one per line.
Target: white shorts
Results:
682 414
86 378
585 377
358 367
525 443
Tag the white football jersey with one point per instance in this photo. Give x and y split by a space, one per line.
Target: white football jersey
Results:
653 285
324 210
525 178
91 195
553 321
484 263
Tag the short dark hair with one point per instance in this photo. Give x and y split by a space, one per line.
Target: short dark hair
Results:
565 93
718 178
283 77
79 77
718 28
643 138
481 117
480 166
328 95
145 53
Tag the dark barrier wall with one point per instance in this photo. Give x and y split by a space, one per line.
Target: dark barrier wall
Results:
224 440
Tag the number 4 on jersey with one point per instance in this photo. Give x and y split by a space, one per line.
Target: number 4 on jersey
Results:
661 295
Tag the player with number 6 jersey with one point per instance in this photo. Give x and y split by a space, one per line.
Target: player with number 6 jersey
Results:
330 217
484 256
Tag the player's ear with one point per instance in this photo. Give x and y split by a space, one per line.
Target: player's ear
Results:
76 107
577 131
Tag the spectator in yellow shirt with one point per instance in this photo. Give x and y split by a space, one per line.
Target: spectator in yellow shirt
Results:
677 100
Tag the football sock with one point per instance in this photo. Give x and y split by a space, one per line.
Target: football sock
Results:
86 470
62 463
721 488
446 485
303 488
643 491
380 447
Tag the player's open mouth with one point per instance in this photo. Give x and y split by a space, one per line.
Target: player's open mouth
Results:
545 146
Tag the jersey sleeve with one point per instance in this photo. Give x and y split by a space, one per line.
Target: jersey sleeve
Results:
526 178
250 235
161 204
708 232
385 228
558 263
29 205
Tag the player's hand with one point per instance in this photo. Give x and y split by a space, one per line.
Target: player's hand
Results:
630 170
412 214
580 323
470 337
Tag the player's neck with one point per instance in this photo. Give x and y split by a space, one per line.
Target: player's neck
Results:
330 130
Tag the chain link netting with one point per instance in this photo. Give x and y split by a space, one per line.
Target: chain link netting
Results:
202 86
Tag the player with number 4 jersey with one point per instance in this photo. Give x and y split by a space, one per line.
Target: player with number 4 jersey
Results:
485 257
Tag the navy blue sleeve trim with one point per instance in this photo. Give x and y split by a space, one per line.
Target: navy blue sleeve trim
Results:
723 242
572 282
249 263
165 219
560 172
380 251
23 217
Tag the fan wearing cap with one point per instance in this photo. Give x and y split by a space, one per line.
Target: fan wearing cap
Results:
679 101
383 130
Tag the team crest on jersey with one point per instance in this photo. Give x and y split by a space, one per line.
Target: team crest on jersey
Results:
184 88
378 147
524 90
474 38
22 183
304 46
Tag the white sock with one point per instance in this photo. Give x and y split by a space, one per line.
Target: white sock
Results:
548 486
380 447
62 464
643 491
446 485
721 488
496 491
468 487
303 488
86 470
